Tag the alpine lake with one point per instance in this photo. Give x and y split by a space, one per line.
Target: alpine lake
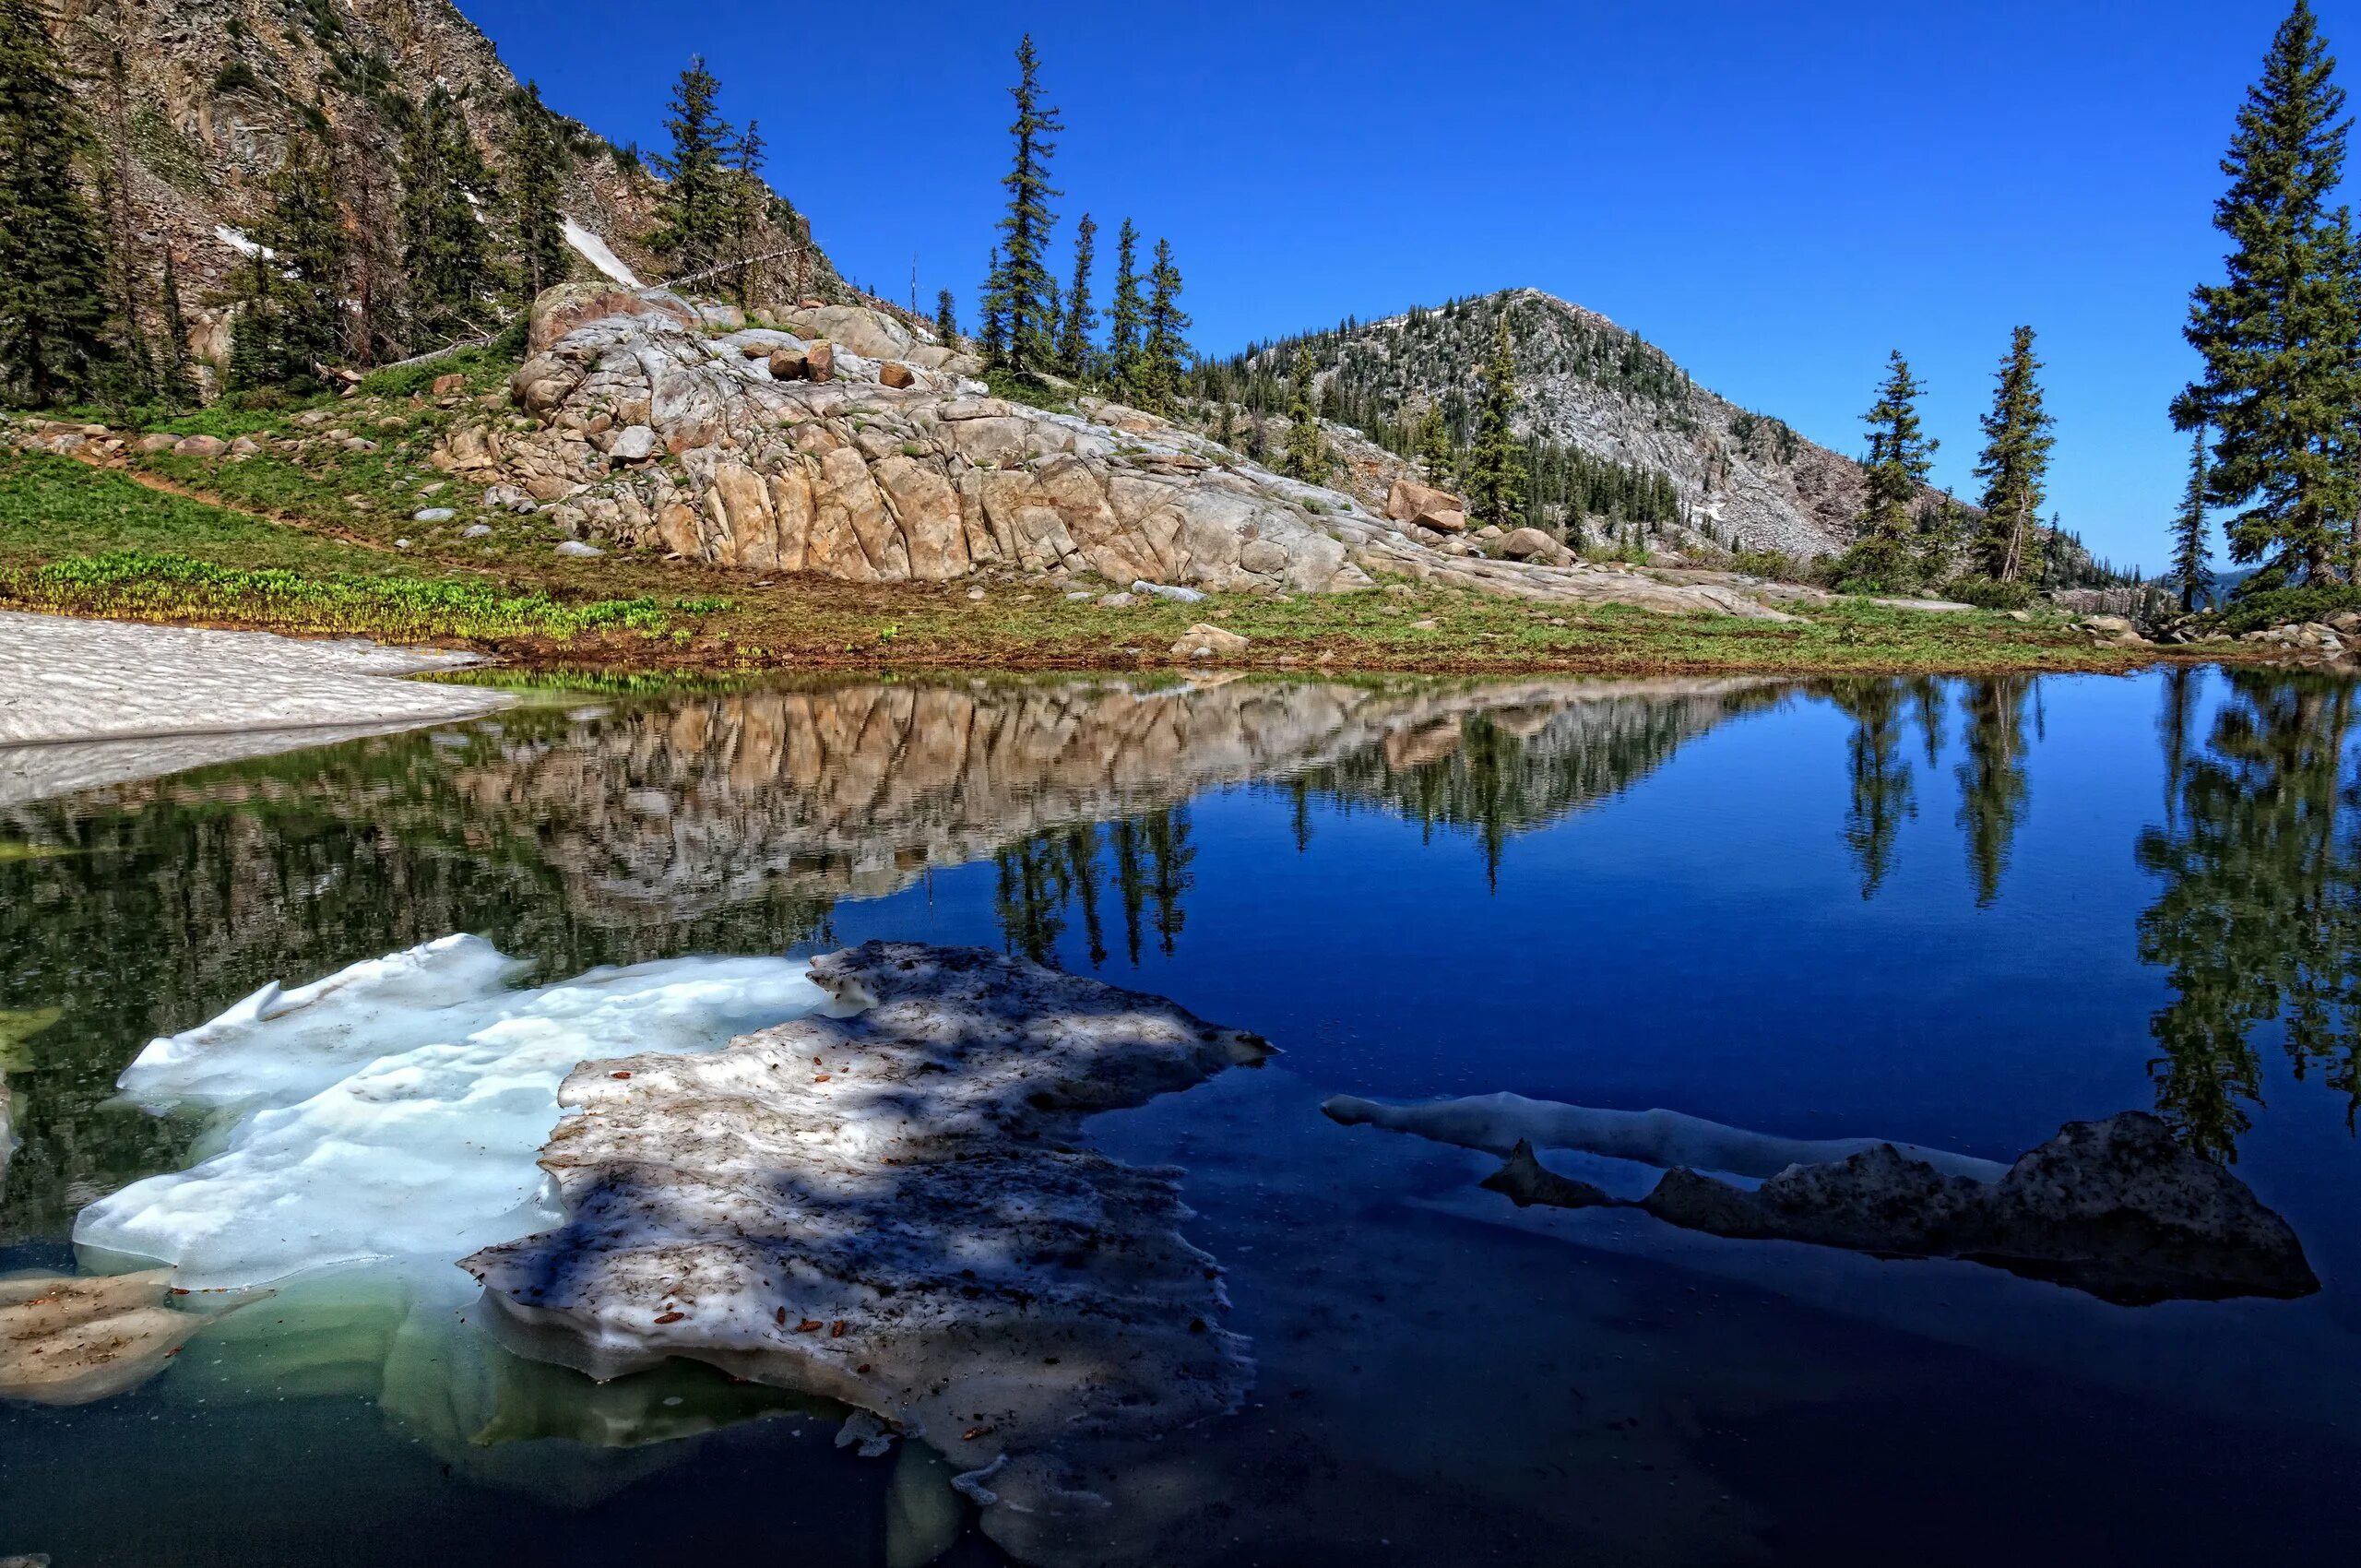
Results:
1950 913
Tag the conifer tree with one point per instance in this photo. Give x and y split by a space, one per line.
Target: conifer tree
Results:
1021 280
1079 325
293 311
1942 529
442 241
175 367
992 338
1127 313
2278 336
1306 454
53 261
1163 352
747 200
130 373
2014 467
375 279
2192 568
946 318
693 212
1435 454
1901 456
536 172
1495 462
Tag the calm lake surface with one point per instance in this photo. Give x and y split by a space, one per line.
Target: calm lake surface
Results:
1953 912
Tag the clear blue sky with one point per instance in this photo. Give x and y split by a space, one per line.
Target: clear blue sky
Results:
1776 195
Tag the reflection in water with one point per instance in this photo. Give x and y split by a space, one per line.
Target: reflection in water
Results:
1882 791
2260 914
1993 787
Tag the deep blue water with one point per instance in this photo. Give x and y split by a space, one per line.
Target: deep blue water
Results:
1956 913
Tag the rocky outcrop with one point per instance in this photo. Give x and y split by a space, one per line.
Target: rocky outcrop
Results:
719 448
895 1209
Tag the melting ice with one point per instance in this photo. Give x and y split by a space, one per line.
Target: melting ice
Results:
396 1109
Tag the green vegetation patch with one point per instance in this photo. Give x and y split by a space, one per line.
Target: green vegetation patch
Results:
139 585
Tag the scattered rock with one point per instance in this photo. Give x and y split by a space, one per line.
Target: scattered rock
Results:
1167 590
895 374
632 443
1116 601
1202 641
1527 545
576 548
199 446
433 515
159 441
820 362
476 530
449 386
789 364
1424 506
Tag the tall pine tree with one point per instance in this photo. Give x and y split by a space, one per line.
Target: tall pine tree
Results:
535 174
2015 466
748 201
1435 452
53 260
1495 461
175 366
2278 336
946 318
2192 560
1164 351
1901 456
1080 324
1307 452
443 239
1126 314
693 215
292 319
993 330
1021 282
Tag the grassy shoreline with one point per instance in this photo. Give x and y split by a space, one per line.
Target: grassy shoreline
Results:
85 539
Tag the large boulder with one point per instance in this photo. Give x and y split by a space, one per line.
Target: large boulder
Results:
872 334
558 312
1409 502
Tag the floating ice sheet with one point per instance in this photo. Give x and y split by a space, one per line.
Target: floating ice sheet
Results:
394 1109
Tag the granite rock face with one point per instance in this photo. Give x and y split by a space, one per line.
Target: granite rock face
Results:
793 449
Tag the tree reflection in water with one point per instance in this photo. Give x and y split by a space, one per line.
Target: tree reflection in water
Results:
2260 919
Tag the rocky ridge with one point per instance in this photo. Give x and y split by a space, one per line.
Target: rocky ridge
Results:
845 441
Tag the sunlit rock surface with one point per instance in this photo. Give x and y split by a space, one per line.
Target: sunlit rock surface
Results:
890 1208
2115 1207
393 1109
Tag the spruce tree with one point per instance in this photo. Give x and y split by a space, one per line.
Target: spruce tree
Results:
130 373
1306 454
1495 461
374 277
2192 569
1435 452
2278 336
536 176
993 338
1127 313
1163 355
53 260
175 366
293 315
693 214
1022 278
2014 467
1079 325
747 199
1901 456
946 318
443 239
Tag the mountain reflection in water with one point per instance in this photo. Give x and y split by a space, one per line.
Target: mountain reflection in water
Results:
1961 910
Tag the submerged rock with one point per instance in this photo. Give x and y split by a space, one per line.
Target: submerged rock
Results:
69 1340
2116 1209
888 1207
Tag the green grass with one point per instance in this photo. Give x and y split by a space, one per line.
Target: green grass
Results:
139 585
52 508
